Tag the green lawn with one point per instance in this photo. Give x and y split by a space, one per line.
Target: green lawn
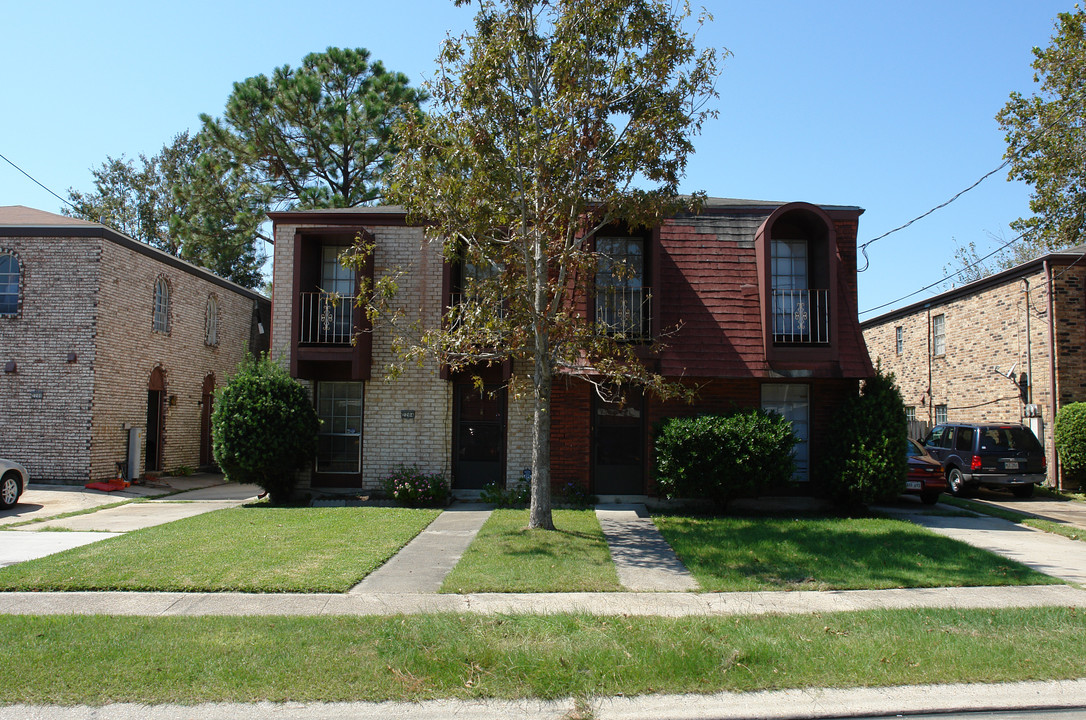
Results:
730 553
100 659
508 557
248 549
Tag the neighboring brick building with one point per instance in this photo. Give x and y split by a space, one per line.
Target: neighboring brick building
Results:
101 334
763 296
952 354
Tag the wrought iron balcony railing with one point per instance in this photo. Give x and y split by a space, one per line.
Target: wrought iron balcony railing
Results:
801 316
624 312
326 319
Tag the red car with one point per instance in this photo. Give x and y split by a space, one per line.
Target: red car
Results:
925 474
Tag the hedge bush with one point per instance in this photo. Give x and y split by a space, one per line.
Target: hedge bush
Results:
264 428
865 461
722 457
1070 438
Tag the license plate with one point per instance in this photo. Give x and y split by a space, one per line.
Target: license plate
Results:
912 484
1009 465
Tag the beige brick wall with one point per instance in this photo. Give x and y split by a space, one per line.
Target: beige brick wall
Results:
984 331
45 404
128 350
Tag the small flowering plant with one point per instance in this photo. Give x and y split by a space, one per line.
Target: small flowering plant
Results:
411 487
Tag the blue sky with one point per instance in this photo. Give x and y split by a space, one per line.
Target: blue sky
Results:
888 106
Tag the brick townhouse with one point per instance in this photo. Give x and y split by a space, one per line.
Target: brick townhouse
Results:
762 294
110 349
1008 347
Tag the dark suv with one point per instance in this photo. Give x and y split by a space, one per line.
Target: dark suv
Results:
990 454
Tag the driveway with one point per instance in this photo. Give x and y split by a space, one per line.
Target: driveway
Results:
1070 512
164 501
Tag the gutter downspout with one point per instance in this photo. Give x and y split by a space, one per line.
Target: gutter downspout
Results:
1052 384
931 397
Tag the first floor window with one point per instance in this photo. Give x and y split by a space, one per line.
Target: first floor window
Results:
910 414
793 403
940 414
339 440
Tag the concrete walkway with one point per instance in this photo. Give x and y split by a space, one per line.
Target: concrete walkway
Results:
422 564
801 703
643 559
1048 553
680 604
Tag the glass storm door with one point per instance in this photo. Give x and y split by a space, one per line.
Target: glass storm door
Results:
479 437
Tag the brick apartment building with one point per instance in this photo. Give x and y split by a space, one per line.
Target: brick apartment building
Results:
763 296
107 342
1009 347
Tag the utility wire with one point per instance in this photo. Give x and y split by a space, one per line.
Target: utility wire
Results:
24 172
948 277
1044 131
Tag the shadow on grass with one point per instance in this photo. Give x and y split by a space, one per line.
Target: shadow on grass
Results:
831 553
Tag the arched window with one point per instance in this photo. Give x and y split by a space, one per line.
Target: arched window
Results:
211 322
9 284
162 306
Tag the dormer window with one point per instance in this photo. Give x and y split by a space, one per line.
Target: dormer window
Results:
799 279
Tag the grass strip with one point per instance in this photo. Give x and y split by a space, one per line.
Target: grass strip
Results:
73 513
739 554
100 659
508 557
254 548
1068 531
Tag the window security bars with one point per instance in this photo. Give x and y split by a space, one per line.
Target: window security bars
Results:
624 312
326 319
801 316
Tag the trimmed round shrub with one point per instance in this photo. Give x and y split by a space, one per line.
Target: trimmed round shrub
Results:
1070 438
264 428
722 457
865 461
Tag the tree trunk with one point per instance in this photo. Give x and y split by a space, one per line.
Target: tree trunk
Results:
539 514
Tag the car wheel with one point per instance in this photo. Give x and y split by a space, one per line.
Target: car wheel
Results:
1023 491
9 490
929 498
957 482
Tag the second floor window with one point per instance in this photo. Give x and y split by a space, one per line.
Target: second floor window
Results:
211 322
623 301
161 321
900 331
9 284
938 331
799 313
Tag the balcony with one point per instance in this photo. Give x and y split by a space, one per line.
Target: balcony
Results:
326 319
801 316
624 313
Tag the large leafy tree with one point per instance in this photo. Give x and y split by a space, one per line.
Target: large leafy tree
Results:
1046 136
554 120
186 200
319 135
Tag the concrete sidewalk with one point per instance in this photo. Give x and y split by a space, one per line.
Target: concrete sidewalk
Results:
677 604
778 705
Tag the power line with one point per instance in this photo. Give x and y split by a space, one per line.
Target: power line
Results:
948 277
1044 131
24 172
